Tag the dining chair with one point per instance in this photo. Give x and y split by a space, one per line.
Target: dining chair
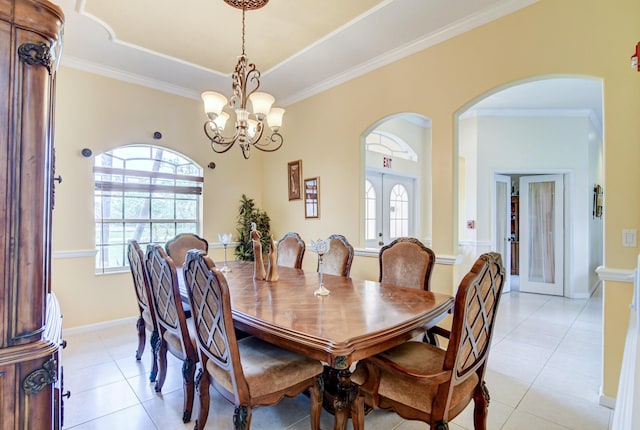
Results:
420 381
406 262
291 250
176 331
247 372
337 261
147 319
178 246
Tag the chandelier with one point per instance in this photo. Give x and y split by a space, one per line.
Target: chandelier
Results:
249 126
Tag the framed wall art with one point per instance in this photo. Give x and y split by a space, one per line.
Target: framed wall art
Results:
312 198
294 178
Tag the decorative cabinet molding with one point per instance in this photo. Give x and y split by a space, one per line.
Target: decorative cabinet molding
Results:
30 322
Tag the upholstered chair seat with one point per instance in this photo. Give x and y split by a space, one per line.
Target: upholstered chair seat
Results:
174 342
423 359
267 368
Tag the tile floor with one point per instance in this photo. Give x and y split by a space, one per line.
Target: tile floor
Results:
544 373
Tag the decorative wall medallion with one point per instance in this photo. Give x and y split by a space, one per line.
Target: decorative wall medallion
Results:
36 54
40 378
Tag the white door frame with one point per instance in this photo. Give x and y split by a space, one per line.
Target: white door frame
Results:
502 243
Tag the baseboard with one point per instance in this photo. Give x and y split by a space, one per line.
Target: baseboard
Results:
101 325
606 401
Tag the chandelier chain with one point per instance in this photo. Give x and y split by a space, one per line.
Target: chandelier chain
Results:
243 12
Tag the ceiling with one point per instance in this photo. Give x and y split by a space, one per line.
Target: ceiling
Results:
302 47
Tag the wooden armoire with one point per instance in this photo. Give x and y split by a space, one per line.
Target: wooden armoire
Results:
30 321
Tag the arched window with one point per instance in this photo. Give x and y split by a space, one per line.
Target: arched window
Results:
398 212
145 193
391 145
370 211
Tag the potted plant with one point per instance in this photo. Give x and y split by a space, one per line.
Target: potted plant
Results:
249 213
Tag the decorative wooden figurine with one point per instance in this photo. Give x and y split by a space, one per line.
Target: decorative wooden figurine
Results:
272 271
258 272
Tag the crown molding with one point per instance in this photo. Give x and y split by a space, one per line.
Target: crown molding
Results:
451 31
117 74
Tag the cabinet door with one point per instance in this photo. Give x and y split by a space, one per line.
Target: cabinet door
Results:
27 181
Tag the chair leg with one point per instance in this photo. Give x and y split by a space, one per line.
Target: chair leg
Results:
431 338
202 382
316 395
154 343
242 418
142 335
162 364
481 405
188 371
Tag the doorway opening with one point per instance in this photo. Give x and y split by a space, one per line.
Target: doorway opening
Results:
547 126
396 180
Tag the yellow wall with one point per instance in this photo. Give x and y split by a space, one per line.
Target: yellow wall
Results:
569 37
99 113
552 37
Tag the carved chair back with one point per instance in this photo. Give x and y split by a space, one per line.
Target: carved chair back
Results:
406 262
291 250
178 246
141 282
339 258
175 333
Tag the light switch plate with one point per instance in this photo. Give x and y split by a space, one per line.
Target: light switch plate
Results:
630 238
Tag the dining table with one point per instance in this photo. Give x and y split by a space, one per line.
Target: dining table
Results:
358 319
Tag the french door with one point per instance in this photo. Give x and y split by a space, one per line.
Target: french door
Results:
542 234
389 208
502 224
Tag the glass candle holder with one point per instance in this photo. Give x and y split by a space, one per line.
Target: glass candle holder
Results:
225 239
320 247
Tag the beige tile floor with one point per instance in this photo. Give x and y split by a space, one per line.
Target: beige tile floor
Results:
544 374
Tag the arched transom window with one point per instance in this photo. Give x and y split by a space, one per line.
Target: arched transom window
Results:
391 145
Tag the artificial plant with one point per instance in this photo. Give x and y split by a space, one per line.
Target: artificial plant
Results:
248 213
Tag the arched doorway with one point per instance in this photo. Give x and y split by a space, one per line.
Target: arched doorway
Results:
396 179
550 125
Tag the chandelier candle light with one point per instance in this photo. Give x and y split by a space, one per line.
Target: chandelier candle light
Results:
320 247
225 239
245 83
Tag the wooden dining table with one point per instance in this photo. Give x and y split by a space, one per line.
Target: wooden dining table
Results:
358 319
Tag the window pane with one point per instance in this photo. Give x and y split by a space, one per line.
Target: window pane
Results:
162 232
163 209
136 207
124 211
185 227
399 212
187 209
140 232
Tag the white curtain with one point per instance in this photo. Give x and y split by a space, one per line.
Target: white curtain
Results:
541 233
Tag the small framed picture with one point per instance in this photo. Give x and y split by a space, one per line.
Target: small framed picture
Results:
312 198
294 177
